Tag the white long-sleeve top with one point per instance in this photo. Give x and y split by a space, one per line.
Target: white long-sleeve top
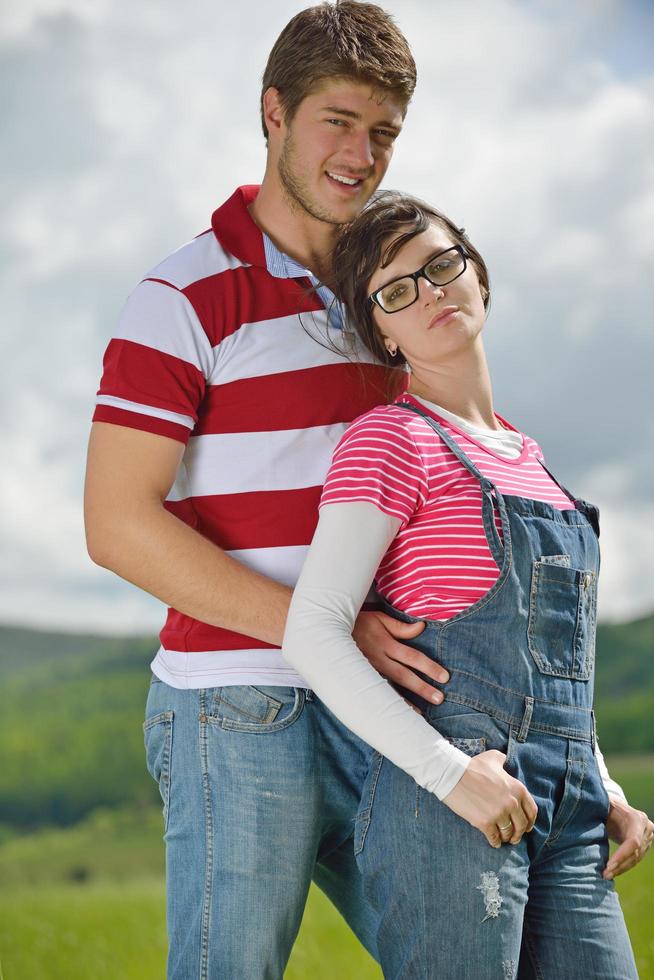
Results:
347 548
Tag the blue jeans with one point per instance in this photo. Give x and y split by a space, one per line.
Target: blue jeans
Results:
454 908
260 790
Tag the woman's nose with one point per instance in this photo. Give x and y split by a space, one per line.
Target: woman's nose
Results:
428 291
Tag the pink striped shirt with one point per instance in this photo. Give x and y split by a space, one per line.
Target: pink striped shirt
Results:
439 563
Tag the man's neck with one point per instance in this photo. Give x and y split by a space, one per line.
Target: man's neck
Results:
293 231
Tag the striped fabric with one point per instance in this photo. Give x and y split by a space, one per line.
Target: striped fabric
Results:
241 365
440 562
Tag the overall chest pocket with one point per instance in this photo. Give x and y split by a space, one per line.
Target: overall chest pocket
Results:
562 611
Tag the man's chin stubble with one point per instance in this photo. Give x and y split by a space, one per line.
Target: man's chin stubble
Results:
298 201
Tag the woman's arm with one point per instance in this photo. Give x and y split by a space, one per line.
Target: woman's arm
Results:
612 788
349 543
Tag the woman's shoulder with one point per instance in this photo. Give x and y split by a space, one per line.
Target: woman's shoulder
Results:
532 448
394 414
389 416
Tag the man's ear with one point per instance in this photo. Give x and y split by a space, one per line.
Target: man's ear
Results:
273 111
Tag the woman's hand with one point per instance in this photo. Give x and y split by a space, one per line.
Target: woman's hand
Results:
633 831
491 800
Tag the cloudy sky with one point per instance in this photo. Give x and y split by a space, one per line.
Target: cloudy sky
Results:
124 125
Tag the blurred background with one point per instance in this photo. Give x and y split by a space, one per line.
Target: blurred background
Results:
123 127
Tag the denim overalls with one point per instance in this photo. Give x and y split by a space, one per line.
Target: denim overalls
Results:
521 663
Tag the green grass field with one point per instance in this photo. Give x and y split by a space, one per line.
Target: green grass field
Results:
87 903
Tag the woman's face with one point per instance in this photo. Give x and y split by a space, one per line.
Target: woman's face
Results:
444 320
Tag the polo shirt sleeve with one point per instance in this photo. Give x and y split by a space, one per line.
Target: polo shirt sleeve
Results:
377 461
156 366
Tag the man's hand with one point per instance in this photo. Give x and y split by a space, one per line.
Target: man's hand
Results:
633 831
379 637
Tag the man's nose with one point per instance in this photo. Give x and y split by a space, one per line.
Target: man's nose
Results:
360 150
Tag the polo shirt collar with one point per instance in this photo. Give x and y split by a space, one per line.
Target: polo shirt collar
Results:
235 229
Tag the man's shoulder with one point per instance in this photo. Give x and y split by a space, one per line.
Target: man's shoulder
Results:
201 258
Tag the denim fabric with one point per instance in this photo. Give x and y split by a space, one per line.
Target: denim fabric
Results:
260 788
521 665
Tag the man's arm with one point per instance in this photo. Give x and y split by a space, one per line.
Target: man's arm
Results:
129 531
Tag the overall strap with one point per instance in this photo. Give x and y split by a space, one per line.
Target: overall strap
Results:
491 496
453 446
569 495
590 511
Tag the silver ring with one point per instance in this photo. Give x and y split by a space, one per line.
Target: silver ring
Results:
506 825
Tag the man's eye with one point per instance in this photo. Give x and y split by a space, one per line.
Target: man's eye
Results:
385 134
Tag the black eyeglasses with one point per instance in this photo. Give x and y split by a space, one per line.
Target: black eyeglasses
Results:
444 267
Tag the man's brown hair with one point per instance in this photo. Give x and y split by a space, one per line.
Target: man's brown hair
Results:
344 39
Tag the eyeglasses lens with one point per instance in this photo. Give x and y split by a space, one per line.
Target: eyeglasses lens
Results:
439 271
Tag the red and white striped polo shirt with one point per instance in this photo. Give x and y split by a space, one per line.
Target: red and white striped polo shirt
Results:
240 364
439 563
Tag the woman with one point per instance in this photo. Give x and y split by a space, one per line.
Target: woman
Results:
453 513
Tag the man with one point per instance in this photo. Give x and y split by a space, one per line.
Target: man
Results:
225 389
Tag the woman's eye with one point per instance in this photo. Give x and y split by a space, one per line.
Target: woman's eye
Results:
394 293
435 268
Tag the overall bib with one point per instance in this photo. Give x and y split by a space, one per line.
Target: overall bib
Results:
521 664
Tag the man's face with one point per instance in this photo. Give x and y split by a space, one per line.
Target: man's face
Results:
336 149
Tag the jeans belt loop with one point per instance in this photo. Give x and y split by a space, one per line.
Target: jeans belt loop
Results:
526 720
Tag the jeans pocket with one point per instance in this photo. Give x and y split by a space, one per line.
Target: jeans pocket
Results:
470 730
256 710
158 738
364 814
471 746
561 625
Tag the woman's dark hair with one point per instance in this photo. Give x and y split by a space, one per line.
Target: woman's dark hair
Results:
372 240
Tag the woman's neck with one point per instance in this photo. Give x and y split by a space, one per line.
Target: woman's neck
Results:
463 387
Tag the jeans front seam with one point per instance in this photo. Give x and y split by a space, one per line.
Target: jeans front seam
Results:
531 953
552 838
208 824
365 815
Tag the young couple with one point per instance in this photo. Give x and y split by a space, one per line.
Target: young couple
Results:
230 380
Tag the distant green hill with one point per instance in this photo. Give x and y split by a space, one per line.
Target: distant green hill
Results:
624 688
71 709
